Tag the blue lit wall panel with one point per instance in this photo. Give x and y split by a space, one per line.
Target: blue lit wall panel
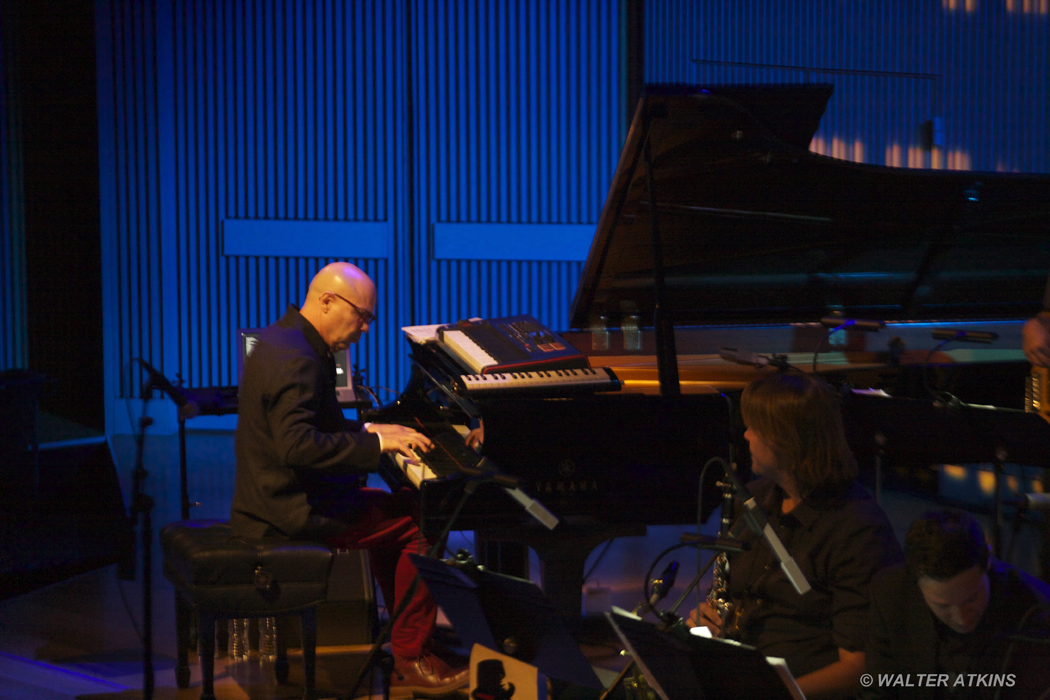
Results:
283 110
235 110
13 347
517 109
305 238
497 241
134 268
404 114
978 65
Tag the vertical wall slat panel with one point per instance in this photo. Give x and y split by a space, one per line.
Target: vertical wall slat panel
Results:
407 112
14 352
129 158
418 112
256 113
511 135
980 66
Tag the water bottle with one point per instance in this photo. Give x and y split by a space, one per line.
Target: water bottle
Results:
632 332
600 334
239 645
268 639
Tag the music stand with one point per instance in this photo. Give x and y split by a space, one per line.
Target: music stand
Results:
915 431
484 607
685 668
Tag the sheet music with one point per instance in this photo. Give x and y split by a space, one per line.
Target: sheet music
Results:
425 334
422 334
784 672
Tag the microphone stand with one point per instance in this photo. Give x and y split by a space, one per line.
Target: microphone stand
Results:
142 504
669 620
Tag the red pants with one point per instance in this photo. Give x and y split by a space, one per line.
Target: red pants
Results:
385 525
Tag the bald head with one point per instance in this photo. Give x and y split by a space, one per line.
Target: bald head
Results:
330 304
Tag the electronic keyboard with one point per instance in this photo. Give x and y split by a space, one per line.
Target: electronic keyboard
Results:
514 343
555 382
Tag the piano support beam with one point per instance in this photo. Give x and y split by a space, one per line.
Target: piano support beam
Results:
562 553
666 354
504 556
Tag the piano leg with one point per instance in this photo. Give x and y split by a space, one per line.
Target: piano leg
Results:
504 556
562 554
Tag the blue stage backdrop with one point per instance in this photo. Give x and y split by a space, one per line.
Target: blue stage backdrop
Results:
460 150
457 151
961 84
13 327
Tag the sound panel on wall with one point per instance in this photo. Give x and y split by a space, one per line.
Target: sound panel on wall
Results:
954 84
13 326
305 239
517 111
542 242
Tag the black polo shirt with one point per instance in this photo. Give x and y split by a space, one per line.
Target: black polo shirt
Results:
839 539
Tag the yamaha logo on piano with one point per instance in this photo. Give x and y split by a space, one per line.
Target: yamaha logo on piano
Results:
582 486
566 467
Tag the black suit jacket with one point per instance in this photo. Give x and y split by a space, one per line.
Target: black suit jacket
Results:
292 442
903 637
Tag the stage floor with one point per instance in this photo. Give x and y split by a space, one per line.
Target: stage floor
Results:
78 638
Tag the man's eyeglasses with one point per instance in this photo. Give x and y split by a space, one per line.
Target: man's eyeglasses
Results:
367 316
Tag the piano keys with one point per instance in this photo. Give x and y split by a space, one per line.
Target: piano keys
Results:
445 460
548 383
452 459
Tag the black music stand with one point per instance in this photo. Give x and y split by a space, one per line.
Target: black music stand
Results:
484 607
685 667
915 431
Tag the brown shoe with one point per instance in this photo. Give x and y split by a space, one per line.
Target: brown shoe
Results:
426 676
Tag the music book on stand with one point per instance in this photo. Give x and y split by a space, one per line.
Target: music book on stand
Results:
507 614
699 667
509 344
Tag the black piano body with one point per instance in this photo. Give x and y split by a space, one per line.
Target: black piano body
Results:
722 230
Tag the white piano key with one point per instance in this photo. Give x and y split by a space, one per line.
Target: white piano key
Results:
468 350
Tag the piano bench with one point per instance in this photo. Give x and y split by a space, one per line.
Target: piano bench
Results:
221 577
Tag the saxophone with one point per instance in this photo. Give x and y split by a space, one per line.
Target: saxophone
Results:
1037 392
718 597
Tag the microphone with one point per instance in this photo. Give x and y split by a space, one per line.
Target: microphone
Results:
1030 501
859 323
187 408
663 585
964 336
756 518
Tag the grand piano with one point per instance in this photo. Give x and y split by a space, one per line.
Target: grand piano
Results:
721 230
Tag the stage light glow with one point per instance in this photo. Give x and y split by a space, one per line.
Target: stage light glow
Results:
986 480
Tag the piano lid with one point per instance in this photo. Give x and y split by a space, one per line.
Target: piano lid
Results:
756 229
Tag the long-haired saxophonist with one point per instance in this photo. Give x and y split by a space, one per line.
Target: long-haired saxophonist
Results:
835 531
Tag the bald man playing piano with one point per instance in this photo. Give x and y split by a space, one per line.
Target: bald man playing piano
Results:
302 466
